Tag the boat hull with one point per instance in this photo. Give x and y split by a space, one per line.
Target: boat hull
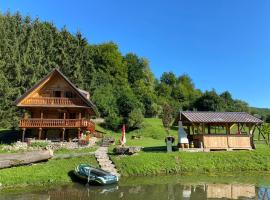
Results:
94 175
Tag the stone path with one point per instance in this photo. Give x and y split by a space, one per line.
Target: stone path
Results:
104 161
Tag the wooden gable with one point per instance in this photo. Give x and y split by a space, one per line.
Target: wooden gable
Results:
55 90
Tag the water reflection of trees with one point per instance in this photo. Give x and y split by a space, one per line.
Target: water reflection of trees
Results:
162 191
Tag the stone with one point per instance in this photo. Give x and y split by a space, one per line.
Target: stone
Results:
127 150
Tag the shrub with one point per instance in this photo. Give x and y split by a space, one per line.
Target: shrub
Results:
135 119
40 144
113 121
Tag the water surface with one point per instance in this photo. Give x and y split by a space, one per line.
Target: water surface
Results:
155 188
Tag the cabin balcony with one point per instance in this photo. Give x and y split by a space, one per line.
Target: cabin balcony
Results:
57 123
53 101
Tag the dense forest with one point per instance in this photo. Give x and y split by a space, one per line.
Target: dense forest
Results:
123 87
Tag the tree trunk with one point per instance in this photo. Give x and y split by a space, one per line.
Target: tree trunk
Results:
15 159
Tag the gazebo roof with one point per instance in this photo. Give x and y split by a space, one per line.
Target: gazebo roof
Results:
218 117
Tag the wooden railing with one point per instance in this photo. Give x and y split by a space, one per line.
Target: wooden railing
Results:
57 123
52 101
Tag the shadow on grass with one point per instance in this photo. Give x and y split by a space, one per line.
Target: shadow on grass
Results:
157 149
9 136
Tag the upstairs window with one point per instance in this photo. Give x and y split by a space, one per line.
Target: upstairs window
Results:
57 93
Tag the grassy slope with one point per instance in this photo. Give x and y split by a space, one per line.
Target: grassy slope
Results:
152 133
155 161
51 172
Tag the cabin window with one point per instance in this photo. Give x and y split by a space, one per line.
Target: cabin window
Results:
72 115
69 94
57 93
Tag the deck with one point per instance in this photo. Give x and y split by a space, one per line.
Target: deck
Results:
57 123
52 101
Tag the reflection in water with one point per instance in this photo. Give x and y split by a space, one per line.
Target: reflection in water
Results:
149 192
264 193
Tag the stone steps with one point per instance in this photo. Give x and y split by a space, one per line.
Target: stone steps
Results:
104 161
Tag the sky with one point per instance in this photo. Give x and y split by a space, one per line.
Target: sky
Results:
221 44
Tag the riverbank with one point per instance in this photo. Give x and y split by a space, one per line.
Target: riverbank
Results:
153 163
54 171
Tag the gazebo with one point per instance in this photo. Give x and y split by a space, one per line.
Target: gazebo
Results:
220 130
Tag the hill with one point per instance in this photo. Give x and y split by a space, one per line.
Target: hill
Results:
122 86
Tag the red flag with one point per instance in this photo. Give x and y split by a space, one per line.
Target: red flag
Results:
123 139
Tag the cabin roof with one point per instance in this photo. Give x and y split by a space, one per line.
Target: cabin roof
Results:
80 92
218 117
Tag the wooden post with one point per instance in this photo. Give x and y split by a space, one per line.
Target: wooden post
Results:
192 127
228 129
203 128
209 129
65 118
39 133
41 117
80 118
63 134
23 134
79 131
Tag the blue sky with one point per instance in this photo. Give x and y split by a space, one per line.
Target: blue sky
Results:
221 44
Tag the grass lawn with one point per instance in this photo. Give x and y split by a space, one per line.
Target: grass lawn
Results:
154 160
152 163
46 173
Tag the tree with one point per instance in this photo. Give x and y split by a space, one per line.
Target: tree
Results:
135 119
167 117
209 101
168 78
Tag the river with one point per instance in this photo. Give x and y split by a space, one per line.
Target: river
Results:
155 188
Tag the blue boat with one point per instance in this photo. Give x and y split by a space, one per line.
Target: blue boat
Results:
95 175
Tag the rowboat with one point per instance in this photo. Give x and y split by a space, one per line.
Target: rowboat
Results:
95 175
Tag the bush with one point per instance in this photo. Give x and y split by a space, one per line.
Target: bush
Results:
40 144
113 121
135 119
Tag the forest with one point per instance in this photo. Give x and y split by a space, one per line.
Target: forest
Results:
123 87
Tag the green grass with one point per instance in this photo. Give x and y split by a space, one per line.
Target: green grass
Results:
153 163
46 173
154 160
152 133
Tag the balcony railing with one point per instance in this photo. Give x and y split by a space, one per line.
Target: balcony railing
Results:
57 123
53 101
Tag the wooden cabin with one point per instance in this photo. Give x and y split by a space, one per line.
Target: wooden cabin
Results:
55 109
220 130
